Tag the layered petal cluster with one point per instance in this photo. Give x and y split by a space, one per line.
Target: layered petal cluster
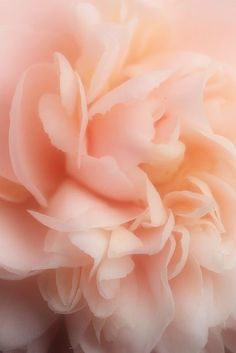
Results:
118 175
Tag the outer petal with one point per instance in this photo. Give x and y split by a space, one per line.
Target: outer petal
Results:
26 317
36 163
135 326
29 44
196 24
22 242
185 334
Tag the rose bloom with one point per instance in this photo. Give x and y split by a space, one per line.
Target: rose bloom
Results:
118 176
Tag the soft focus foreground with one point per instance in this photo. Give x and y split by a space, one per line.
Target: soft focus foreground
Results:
118 176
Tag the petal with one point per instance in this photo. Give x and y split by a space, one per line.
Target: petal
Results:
25 315
154 238
178 260
73 208
185 334
93 243
77 323
124 133
135 327
205 238
123 242
195 26
157 210
133 89
113 54
59 127
22 242
99 306
118 188
109 273
61 289
64 116
185 100
29 46
215 342
43 17
36 163
10 191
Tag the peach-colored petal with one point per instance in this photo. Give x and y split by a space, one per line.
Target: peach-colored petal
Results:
184 334
104 47
93 243
42 344
25 315
22 242
77 324
109 274
73 208
195 26
68 84
118 188
188 204
215 342
203 239
10 191
123 242
59 127
64 116
181 251
124 133
157 210
155 238
135 326
186 100
59 243
114 52
28 46
133 89
99 306
36 163
164 160
39 17
61 289
226 198
220 101
230 340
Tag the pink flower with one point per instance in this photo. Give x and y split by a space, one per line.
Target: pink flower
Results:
117 175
